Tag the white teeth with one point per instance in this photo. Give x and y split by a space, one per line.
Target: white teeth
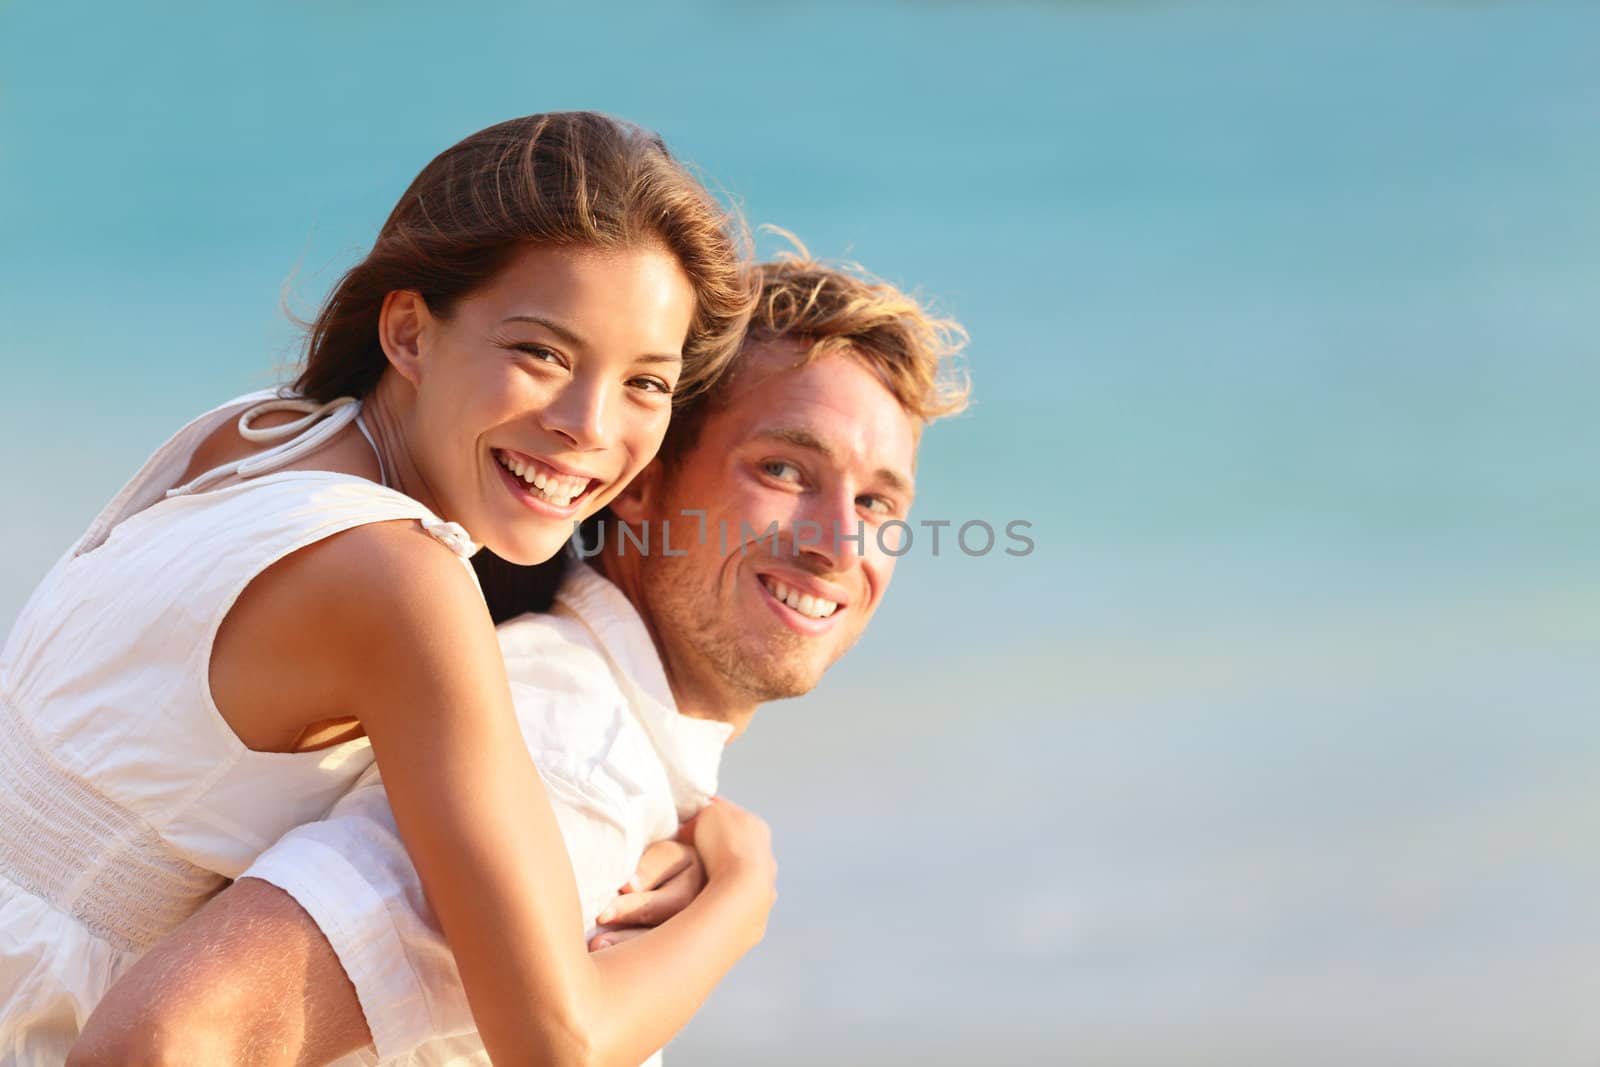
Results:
813 607
557 489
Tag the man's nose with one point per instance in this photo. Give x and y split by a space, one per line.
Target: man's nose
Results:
832 530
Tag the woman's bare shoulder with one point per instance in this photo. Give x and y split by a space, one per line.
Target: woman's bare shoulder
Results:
415 641
340 627
378 580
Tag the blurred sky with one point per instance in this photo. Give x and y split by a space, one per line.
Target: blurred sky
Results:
1279 748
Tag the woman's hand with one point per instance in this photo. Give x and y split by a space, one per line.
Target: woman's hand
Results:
734 844
731 840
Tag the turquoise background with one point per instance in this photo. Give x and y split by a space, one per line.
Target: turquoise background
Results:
1280 746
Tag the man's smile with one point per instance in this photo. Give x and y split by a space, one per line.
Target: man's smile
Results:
801 603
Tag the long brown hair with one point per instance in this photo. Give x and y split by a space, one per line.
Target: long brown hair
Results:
572 178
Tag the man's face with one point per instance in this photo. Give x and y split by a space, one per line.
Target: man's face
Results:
814 450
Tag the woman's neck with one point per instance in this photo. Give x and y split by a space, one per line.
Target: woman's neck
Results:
387 412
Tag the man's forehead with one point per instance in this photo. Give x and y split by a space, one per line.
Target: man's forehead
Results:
833 404
763 364
773 376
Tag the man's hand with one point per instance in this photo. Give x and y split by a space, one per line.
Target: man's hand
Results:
670 875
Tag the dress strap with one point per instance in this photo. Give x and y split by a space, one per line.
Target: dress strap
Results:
383 468
316 427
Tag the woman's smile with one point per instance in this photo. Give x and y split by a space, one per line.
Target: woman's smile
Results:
540 485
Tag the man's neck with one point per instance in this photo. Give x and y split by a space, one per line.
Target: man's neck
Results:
698 693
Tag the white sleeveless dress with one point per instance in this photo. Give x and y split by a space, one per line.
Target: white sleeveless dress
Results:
125 798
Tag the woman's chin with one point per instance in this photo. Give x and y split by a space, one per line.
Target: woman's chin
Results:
528 548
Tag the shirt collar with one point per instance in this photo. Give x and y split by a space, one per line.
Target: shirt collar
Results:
690 748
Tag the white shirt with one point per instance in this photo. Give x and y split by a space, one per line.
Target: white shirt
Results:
622 769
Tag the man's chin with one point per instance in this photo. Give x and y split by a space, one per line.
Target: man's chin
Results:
768 661
773 678
766 694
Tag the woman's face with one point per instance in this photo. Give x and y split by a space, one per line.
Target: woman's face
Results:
545 392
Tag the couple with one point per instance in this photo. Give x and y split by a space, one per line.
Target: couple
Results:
217 663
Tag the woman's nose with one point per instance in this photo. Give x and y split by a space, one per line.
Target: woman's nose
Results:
580 413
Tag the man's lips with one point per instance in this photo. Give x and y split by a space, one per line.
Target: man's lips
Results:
802 599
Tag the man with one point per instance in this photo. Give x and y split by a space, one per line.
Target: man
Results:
735 570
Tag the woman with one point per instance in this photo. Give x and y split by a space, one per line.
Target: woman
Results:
281 595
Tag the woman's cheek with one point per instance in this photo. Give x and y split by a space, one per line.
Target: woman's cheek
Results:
642 445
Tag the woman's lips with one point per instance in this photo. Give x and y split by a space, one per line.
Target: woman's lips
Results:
544 481
536 487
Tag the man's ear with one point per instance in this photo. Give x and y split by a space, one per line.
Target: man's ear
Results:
401 320
640 497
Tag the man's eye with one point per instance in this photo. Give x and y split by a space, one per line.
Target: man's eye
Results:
875 504
651 385
781 470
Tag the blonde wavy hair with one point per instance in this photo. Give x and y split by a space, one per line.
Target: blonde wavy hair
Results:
841 309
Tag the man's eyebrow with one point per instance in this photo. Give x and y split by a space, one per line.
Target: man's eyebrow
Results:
567 335
898 482
812 443
799 438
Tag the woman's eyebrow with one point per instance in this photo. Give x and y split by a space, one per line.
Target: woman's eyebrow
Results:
568 335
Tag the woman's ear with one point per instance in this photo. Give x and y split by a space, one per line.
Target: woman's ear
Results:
633 505
401 321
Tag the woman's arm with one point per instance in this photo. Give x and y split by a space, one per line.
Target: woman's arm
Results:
417 661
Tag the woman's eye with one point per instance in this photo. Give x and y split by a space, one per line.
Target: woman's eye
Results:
541 353
781 470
